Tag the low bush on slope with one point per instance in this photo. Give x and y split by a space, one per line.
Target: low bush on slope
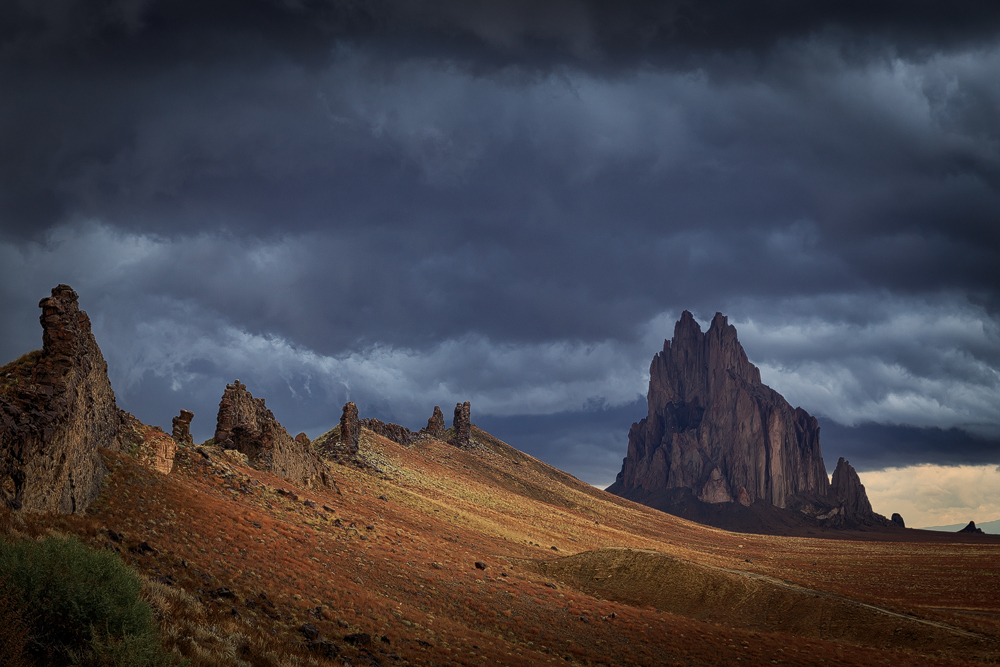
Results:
81 606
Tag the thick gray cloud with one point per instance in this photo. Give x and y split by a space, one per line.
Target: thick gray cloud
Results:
416 203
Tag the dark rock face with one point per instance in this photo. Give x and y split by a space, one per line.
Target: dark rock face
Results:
716 434
971 528
182 428
246 425
394 432
350 429
714 428
56 408
897 520
462 424
435 425
847 489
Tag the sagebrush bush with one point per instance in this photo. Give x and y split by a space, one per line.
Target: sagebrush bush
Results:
82 606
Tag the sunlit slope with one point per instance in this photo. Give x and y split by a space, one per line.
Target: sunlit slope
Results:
385 570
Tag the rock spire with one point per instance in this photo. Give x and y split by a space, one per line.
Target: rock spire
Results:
56 408
462 423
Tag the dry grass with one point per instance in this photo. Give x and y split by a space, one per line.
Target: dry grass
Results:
393 558
18 372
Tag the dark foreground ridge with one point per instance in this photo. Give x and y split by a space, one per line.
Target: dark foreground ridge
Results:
720 447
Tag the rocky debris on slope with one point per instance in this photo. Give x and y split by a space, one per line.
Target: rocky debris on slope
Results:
971 528
435 425
713 427
394 432
350 428
897 520
246 425
182 428
462 424
56 408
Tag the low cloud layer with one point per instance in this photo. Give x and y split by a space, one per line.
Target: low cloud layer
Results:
409 204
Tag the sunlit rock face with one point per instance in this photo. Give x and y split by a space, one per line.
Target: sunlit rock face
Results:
245 424
714 428
56 408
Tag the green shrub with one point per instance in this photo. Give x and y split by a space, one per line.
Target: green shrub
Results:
82 606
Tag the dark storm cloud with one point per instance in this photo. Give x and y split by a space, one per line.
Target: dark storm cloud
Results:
876 446
415 203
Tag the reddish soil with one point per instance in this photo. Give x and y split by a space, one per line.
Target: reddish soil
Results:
394 556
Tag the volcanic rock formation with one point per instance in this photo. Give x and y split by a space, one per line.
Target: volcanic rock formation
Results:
848 490
462 423
715 429
350 428
56 409
182 428
971 528
435 425
246 425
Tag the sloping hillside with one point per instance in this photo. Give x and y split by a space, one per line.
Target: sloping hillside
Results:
247 569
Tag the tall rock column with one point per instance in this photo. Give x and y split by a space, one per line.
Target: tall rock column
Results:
350 427
56 408
182 428
462 423
435 425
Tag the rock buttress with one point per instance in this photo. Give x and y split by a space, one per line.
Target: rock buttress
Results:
246 425
56 408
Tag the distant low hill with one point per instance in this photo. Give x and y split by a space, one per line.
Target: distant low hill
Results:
992 527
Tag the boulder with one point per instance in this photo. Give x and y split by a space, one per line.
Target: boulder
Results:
245 424
56 409
350 428
462 423
897 520
182 428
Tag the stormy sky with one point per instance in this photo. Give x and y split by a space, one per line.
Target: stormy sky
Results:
406 204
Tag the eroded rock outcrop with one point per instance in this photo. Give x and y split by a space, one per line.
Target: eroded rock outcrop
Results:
246 425
847 490
394 432
56 408
350 428
462 423
182 428
715 429
897 520
435 425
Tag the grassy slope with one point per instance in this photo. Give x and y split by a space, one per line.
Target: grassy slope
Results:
394 557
